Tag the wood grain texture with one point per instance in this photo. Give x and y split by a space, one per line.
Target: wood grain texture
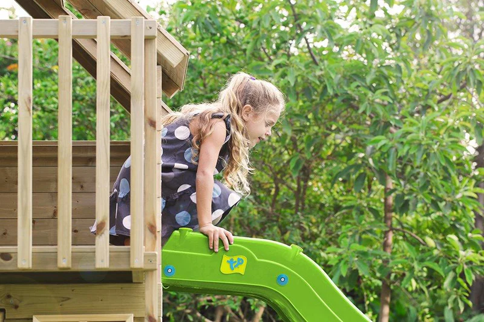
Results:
137 138
64 201
45 153
84 317
152 157
30 299
84 51
44 205
45 179
171 55
102 142
83 259
159 128
25 142
44 232
81 29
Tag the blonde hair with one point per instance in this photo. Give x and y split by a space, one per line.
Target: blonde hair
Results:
242 89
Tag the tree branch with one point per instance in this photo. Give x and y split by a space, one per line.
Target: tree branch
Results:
198 314
301 31
258 315
267 54
447 97
9 57
277 179
420 240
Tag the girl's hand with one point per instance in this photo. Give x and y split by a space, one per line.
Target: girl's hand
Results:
215 233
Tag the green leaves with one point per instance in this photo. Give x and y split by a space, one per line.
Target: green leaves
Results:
363 267
392 160
373 7
360 181
435 267
450 281
296 164
385 100
469 275
291 76
454 242
393 95
343 173
448 315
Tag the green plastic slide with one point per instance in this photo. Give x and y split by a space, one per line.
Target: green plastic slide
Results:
289 281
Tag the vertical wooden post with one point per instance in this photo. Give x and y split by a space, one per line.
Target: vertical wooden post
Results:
64 163
158 180
137 135
102 141
25 143
152 227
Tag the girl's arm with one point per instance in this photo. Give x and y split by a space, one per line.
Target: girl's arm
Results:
207 160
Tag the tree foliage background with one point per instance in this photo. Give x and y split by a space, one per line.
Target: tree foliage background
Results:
374 166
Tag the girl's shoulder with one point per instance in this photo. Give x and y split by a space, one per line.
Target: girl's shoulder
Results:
194 123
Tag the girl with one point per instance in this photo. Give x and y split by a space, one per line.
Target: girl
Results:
197 143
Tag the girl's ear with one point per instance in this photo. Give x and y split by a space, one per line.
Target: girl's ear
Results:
246 112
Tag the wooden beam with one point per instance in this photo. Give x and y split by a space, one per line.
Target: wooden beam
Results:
84 318
151 150
81 29
60 2
45 206
44 259
173 51
45 153
45 179
84 51
25 143
151 183
159 128
64 236
171 55
102 142
26 300
44 232
138 276
137 141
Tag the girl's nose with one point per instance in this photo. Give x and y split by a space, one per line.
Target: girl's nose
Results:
268 133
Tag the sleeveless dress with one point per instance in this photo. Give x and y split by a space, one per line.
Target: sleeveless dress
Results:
179 196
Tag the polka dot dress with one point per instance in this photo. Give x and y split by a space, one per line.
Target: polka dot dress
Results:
179 196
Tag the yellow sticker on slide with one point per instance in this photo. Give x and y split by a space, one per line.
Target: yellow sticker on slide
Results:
233 264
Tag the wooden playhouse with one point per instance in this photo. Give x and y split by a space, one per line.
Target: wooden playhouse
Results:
51 267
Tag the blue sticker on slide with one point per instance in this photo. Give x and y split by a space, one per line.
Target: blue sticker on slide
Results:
169 270
282 279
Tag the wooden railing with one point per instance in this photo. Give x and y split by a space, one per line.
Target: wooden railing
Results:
145 135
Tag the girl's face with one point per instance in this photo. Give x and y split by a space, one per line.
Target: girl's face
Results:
259 126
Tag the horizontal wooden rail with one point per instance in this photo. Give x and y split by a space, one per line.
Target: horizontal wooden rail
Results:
44 259
81 29
45 153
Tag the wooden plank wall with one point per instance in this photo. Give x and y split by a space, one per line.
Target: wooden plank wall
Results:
44 212
27 300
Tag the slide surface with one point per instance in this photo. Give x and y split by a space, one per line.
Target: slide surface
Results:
289 281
